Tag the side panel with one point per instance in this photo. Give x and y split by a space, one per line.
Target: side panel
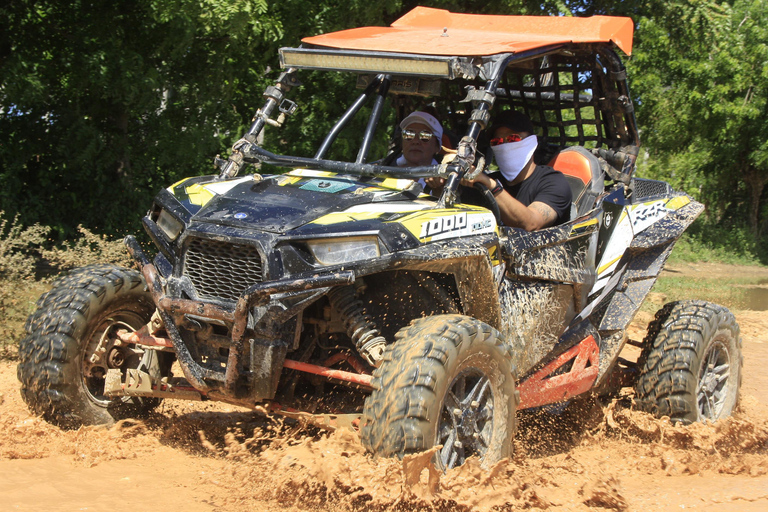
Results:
472 263
533 319
642 263
560 253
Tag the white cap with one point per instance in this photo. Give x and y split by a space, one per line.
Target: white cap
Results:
426 119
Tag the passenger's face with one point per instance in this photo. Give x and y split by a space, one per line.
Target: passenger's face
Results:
416 151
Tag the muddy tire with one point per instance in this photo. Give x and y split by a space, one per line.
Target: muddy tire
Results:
61 378
691 366
447 380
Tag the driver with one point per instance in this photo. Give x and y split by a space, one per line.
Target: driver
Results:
421 133
530 196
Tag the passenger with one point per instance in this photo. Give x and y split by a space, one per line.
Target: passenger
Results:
530 196
421 134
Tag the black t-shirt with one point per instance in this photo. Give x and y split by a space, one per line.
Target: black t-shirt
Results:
544 185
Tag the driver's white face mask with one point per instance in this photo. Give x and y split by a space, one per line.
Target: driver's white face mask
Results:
511 157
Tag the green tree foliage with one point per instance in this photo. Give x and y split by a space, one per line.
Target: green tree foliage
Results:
102 103
699 79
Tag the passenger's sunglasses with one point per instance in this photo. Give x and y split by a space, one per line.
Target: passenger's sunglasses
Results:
423 136
503 140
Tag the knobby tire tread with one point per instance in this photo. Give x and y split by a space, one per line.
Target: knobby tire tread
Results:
48 366
396 418
669 362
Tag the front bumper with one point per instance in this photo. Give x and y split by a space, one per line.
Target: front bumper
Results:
267 356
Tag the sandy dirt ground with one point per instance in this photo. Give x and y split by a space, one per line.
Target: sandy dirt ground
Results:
208 457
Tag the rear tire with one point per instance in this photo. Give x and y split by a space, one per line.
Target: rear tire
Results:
70 344
447 380
690 368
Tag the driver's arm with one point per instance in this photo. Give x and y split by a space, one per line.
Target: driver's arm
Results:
535 216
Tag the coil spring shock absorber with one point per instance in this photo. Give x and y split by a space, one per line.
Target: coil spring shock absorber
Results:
360 326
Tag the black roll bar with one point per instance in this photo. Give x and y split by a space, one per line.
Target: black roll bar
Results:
478 122
348 114
373 120
275 95
618 68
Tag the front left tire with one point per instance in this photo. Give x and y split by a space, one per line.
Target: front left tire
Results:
447 381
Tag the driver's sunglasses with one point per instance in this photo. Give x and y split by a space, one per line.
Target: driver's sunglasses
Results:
423 136
503 140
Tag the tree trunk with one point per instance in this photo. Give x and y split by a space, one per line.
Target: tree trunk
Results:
756 180
123 166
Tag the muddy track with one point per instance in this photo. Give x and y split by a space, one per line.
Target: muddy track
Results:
208 457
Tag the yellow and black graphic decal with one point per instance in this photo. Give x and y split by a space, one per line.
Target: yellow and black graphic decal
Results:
434 225
677 202
584 228
198 191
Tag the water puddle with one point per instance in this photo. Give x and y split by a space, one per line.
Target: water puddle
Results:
756 298
734 292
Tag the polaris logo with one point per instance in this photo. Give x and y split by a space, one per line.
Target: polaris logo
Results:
443 225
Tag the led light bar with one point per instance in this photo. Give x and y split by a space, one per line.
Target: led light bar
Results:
367 62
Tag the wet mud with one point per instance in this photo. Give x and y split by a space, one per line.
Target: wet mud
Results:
207 457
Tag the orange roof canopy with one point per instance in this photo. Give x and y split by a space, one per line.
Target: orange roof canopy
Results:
429 31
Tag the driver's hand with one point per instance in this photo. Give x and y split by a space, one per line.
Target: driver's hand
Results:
436 183
480 178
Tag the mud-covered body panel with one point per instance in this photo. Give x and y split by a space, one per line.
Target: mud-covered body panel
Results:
539 288
275 203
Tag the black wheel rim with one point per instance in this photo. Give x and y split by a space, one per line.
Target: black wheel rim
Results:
466 420
714 376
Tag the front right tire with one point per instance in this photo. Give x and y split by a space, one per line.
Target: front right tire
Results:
448 380
71 343
691 366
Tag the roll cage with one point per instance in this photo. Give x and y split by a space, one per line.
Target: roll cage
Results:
575 93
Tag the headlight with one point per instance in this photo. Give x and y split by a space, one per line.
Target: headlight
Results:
332 251
170 225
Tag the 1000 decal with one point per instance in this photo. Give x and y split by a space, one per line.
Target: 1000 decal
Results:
458 224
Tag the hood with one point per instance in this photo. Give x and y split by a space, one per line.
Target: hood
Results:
282 203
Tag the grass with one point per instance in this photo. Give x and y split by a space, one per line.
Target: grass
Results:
733 293
24 251
707 240
690 249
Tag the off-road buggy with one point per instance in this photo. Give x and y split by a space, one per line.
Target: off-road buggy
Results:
335 290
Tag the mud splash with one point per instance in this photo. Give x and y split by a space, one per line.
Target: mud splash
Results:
552 469
585 457
201 457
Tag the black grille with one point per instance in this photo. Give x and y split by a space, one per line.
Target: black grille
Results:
650 188
220 270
